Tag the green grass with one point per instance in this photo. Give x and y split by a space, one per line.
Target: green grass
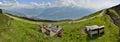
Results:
3 20
20 31
93 14
113 12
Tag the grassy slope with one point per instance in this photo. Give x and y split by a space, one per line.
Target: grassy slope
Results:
20 31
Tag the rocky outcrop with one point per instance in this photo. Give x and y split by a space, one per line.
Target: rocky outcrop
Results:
114 13
115 18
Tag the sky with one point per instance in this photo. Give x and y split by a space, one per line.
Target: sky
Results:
37 1
91 4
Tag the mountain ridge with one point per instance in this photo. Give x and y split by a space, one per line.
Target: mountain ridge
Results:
55 13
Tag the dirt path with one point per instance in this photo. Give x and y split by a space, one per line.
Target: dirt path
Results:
24 20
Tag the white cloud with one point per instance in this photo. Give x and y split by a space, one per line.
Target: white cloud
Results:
99 5
0 3
7 3
91 4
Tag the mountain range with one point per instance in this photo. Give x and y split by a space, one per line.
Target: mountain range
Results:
54 13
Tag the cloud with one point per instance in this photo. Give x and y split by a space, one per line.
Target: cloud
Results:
0 3
91 4
101 4
7 3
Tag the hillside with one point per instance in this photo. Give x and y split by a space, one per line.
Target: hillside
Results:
14 29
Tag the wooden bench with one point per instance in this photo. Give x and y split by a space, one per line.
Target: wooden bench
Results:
91 30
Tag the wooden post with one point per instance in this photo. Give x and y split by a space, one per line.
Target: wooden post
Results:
98 32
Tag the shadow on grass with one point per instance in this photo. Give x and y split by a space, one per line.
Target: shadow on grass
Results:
94 37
